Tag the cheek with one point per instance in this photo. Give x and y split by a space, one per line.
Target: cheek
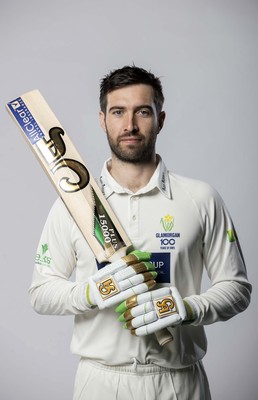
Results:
114 127
112 130
148 126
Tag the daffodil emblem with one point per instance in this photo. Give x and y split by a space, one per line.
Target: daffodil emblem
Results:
44 248
167 222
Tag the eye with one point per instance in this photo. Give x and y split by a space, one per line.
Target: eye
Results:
117 113
144 112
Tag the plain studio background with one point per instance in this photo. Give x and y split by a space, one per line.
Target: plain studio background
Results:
206 55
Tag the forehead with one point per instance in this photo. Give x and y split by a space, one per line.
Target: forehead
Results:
133 95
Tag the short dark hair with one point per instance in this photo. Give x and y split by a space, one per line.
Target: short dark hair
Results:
130 75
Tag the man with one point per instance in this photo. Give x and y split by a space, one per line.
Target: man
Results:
182 222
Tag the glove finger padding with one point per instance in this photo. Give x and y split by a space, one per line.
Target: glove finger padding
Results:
149 312
130 275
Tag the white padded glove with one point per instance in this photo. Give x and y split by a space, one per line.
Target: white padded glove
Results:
152 311
116 282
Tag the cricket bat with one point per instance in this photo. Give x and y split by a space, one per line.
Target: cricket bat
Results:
72 180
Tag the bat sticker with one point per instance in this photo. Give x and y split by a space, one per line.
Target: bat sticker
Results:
26 120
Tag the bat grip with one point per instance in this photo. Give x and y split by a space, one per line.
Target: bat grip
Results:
164 336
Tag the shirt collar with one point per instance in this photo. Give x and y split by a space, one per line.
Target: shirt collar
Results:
160 180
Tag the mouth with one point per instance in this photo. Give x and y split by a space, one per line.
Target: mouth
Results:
130 139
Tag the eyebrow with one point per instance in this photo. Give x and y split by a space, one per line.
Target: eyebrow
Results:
136 108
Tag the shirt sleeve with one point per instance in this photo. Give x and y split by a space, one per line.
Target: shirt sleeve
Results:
52 291
230 289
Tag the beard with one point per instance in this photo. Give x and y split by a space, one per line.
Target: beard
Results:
138 153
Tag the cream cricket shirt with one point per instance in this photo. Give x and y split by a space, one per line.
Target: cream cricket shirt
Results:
186 226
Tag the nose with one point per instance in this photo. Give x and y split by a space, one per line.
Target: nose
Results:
131 124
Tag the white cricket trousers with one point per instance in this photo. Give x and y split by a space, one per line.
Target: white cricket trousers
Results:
95 381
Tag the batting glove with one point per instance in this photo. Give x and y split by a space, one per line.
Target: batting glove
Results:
116 282
152 311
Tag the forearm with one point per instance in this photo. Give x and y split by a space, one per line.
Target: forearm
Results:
220 303
58 297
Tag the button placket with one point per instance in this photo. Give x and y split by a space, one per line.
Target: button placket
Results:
134 215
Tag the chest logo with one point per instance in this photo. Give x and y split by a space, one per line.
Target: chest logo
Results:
167 238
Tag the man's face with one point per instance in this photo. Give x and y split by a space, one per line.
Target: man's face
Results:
131 123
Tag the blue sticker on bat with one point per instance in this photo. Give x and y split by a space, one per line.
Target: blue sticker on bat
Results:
25 119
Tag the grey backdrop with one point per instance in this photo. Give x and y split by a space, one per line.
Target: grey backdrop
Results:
206 54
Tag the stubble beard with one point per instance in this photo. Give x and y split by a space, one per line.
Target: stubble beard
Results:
136 154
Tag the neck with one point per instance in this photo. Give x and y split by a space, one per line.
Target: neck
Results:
132 176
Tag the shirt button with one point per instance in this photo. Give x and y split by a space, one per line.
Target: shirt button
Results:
134 217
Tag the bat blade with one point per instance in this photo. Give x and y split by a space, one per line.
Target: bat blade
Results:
72 180
70 177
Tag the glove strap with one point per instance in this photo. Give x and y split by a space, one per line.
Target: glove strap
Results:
190 314
87 294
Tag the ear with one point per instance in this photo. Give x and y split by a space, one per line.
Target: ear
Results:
161 119
102 121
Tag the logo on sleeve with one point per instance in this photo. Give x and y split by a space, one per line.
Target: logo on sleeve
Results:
232 235
42 258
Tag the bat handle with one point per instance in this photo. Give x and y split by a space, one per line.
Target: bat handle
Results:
164 336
